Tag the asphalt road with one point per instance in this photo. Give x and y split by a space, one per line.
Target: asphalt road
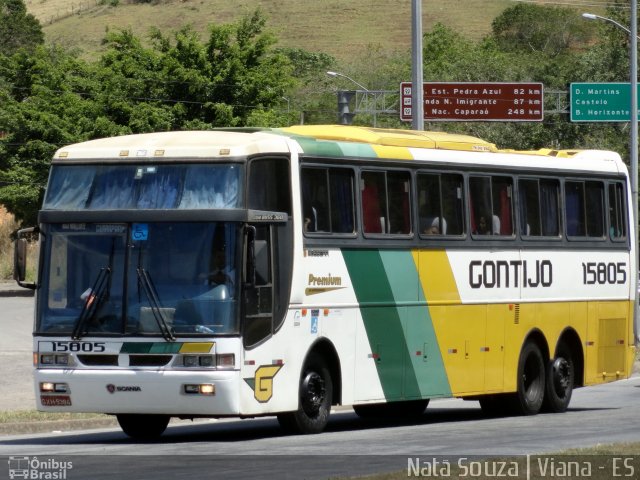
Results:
257 449
350 446
16 346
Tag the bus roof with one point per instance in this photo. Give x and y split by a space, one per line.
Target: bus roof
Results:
350 141
337 141
180 144
394 138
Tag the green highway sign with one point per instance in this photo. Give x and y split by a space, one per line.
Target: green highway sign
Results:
600 102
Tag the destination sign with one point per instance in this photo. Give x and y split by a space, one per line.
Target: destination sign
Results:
601 102
473 101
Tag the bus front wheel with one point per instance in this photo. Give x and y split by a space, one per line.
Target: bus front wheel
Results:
531 381
560 379
314 404
143 427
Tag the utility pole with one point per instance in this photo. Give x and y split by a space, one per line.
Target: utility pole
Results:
417 96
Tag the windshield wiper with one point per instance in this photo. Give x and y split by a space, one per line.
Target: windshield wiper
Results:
96 295
154 303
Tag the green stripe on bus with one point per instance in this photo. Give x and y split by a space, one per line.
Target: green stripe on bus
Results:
424 353
311 146
398 324
355 149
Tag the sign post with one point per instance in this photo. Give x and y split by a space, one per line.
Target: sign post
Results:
474 101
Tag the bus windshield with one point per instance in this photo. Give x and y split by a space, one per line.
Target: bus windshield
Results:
139 278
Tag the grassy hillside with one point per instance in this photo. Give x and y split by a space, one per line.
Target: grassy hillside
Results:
338 27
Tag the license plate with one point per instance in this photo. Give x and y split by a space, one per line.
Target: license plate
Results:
55 400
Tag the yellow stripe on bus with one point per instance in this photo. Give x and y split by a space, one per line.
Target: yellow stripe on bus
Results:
397 153
436 276
197 347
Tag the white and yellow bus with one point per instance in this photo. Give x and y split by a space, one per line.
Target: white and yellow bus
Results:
245 273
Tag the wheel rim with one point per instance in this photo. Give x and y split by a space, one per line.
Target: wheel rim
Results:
312 393
561 371
532 379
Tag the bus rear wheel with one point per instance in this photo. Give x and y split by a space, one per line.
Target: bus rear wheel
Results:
560 380
314 404
143 427
531 381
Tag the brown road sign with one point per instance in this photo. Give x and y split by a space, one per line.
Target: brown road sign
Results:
474 101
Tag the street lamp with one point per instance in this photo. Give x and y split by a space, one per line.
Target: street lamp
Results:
593 16
344 98
336 74
633 37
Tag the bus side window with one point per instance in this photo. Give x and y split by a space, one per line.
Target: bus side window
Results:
451 188
269 186
617 225
490 205
502 213
480 205
327 200
574 209
539 196
314 199
399 212
595 209
439 198
584 209
386 202
341 199
373 198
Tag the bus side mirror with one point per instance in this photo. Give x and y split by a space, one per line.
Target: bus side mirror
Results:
20 258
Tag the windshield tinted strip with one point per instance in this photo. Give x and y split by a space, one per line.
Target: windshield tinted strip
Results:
184 187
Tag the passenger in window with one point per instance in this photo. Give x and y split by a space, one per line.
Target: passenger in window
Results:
482 227
311 220
432 226
496 225
220 273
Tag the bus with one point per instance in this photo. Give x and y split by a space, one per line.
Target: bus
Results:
281 272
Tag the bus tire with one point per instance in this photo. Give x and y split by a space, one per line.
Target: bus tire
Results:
530 382
143 427
314 404
560 381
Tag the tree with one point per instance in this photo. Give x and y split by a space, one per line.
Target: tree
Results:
50 98
18 29
549 30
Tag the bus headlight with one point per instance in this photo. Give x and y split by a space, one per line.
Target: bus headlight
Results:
200 389
219 361
50 387
190 360
54 360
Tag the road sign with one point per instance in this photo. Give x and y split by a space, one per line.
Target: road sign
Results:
473 101
600 102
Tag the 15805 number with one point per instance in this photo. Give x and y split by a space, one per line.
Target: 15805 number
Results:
79 347
604 273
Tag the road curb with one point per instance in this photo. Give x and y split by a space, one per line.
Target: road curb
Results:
12 290
16 293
